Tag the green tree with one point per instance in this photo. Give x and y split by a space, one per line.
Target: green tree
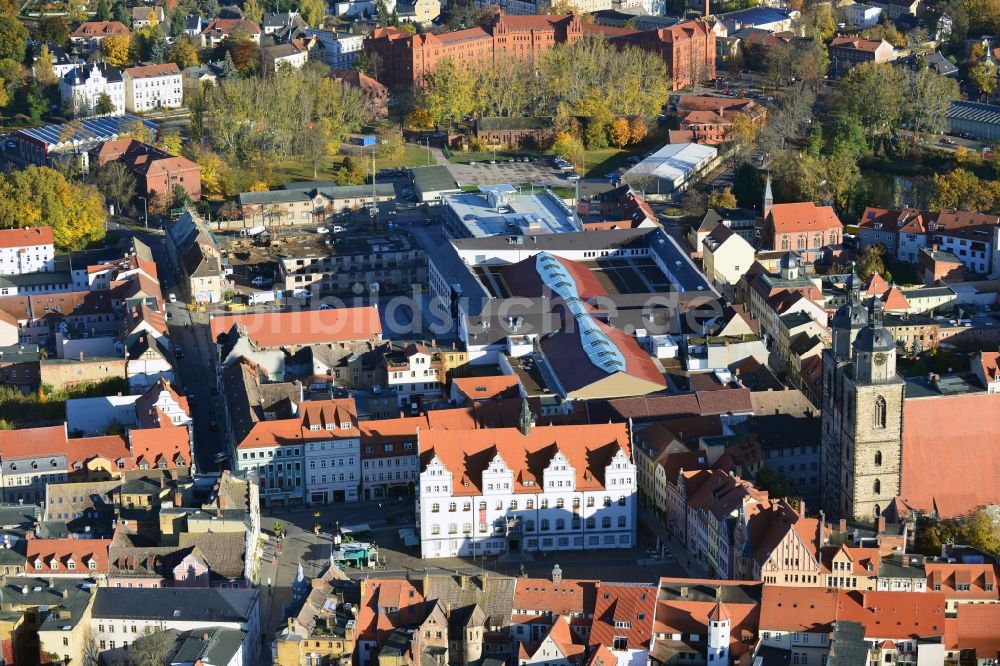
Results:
871 260
450 92
53 29
45 73
117 183
183 52
983 75
252 11
38 196
928 98
595 133
120 13
13 39
103 12
105 106
313 11
229 70
874 93
748 188
570 148
722 199
369 63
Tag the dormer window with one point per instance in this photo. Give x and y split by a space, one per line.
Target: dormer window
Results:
92 564
54 565
39 564
314 427
71 564
329 426
346 425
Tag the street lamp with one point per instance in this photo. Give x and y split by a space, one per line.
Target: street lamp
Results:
145 213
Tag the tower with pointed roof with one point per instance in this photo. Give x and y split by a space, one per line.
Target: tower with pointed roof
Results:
719 630
525 420
768 197
862 413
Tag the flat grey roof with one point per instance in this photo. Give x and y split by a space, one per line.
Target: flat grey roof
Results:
543 213
435 178
975 112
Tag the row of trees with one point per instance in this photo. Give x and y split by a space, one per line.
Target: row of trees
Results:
589 78
295 112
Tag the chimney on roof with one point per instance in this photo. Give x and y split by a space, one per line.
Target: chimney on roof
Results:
708 11
464 581
880 525
204 637
802 509
556 574
842 528
65 594
177 500
684 591
819 532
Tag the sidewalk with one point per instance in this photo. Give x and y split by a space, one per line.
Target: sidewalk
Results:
693 568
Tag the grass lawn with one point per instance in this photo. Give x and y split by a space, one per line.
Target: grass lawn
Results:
300 169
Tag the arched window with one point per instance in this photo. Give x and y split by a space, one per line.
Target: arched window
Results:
878 511
818 240
802 242
878 458
880 412
877 487
784 243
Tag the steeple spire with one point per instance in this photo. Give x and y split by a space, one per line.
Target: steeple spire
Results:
525 420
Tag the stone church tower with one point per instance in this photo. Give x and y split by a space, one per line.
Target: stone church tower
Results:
862 413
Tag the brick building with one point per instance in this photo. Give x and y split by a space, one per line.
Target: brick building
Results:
687 49
156 172
406 58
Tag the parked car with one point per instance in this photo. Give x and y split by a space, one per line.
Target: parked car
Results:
322 230
337 229
572 176
260 281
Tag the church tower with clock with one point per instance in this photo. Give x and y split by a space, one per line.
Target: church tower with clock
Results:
862 437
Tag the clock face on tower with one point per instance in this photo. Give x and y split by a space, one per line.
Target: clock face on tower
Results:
880 358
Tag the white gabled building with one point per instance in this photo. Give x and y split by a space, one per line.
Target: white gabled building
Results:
153 87
333 460
27 251
340 49
491 491
81 89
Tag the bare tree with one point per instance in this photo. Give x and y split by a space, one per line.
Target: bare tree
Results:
151 649
117 184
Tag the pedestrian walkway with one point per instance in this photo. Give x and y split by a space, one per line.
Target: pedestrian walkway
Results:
693 568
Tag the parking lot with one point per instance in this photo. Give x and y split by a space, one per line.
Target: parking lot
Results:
538 172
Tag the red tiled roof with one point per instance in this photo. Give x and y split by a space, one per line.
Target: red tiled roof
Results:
894 300
319 413
981 579
152 71
561 599
99 29
798 609
620 604
26 237
227 26
674 616
275 329
951 470
112 448
977 627
876 285
990 364
63 551
805 216
898 615
30 442
149 416
856 43
484 388
587 448
152 445
387 593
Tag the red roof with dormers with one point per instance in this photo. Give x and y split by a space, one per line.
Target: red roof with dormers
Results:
624 610
588 449
55 556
